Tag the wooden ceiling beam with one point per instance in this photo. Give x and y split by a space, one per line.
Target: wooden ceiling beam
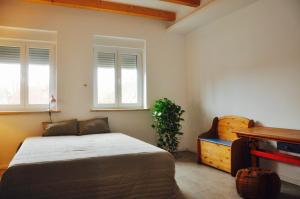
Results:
192 3
113 7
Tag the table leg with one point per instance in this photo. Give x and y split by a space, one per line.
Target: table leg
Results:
254 159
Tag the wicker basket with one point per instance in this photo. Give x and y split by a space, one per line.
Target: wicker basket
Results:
256 183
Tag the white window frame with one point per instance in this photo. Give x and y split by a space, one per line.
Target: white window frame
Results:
118 87
24 63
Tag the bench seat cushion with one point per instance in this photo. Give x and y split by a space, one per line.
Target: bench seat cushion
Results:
217 141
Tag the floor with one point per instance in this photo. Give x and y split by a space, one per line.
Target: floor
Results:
199 181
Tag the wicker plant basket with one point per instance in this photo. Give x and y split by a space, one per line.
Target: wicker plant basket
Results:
257 183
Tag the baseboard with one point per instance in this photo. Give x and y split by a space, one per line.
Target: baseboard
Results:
182 150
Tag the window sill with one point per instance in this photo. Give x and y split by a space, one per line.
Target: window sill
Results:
26 112
119 109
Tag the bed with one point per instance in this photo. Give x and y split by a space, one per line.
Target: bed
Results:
111 165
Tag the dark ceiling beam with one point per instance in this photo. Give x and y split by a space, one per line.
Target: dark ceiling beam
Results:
192 3
113 7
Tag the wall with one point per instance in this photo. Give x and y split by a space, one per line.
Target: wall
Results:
75 28
247 63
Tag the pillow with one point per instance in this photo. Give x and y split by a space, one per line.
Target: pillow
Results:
68 127
93 126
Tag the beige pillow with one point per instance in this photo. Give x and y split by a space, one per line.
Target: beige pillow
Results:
68 127
93 126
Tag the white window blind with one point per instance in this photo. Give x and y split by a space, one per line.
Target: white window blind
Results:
128 61
39 56
9 54
106 60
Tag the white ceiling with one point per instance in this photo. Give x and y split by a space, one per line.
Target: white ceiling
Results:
181 10
207 14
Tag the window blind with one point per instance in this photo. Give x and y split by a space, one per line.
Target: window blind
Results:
38 56
128 61
106 60
9 54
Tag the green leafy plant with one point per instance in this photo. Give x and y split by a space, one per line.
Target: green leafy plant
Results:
166 122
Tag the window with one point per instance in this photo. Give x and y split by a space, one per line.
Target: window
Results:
27 75
118 77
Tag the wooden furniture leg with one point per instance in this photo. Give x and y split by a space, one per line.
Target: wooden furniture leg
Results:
254 146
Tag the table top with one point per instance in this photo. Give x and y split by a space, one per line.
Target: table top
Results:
277 134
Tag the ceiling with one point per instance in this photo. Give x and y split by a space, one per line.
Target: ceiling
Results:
181 10
201 17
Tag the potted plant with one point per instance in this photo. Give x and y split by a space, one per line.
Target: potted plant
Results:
166 122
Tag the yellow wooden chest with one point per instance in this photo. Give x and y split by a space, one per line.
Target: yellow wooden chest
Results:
221 148
216 155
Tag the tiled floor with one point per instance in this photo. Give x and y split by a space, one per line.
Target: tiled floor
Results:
199 181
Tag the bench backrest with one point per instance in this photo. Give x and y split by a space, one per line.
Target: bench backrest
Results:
228 124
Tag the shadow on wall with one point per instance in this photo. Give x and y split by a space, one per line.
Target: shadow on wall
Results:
10 138
12 133
200 121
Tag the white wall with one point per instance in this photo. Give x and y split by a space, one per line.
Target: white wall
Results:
76 27
247 63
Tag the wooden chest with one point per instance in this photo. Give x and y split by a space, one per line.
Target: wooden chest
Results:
216 155
221 148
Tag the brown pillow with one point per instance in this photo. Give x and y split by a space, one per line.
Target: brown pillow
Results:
68 127
93 126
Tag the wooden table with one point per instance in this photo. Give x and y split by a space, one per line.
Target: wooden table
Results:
275 134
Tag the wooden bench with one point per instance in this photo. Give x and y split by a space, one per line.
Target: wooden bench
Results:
221 148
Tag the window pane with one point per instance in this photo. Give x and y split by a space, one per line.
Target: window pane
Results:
105 62
129 82
38 84
129 85
10 76
106 85
38 76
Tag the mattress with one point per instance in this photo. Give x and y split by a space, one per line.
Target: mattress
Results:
104 166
